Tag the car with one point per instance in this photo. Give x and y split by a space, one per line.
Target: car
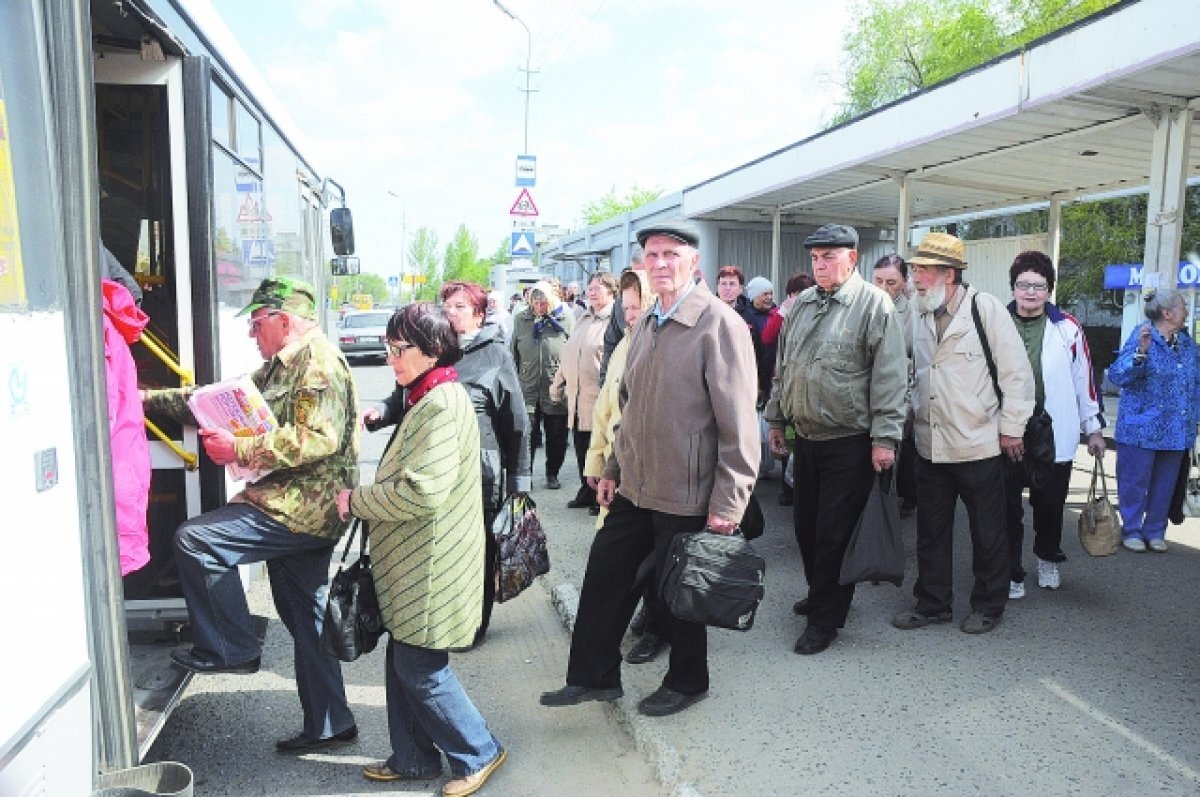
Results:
362 333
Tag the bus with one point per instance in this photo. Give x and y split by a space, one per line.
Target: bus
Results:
135 128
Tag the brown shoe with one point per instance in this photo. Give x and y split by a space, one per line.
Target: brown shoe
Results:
469 784
382 773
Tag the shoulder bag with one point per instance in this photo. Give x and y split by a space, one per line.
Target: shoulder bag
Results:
714 579
521 551
1099 524
353 622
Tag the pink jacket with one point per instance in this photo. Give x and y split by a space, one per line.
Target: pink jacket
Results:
123 324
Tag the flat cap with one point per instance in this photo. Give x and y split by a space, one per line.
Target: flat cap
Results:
679 230
830 236
940 249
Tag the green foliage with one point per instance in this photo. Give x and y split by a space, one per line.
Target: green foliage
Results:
900 46
462 259
423 259
610 205
362 283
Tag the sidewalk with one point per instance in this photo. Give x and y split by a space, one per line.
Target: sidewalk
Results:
1089 689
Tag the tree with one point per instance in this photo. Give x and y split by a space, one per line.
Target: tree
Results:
611 205
462 258
901 46
362 283
423 259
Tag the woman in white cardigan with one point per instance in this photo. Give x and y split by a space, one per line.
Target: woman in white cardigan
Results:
1066 389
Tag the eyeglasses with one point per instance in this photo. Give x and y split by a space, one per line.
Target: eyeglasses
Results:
255 323
398 349
1037 287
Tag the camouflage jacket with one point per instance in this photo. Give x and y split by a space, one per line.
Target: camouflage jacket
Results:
314 453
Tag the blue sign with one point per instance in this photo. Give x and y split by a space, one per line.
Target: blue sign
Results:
521 244
526 171
1128 276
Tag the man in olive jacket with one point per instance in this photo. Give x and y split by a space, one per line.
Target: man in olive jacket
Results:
840 379
684 457
287 518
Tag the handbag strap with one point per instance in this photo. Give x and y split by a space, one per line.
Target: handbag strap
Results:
1098 471
355 526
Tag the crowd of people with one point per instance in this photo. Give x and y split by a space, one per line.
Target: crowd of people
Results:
679 401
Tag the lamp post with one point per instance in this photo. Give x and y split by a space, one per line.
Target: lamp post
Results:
403 242
528 53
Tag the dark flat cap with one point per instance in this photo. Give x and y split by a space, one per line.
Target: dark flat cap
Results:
830 236
679 230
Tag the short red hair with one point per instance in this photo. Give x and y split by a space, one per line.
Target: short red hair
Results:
476 296
732 271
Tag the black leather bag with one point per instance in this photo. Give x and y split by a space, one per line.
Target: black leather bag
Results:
876 548
714 579
353 622
522 554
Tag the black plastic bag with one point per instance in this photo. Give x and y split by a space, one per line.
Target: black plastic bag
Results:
714 579
522 554
1036 467
876 549
353 623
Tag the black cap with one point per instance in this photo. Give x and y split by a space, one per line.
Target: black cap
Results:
831 236
679 230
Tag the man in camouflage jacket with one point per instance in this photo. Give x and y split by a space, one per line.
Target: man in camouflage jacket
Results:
287 518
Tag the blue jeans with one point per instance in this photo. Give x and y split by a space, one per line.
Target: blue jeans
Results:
1145 482
428 712
208 549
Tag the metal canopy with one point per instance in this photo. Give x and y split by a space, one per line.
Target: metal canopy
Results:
1072 116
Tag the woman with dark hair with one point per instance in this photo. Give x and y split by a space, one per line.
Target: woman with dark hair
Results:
427 548
1156 417
731 281
1065 389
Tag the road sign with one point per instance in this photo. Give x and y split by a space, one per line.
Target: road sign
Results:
526 171
521 244
523 223
393 281
524 205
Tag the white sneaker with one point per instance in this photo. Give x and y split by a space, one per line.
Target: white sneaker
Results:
1134 544
1016 590
1160 546
1048 577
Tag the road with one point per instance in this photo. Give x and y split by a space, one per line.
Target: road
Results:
1088 690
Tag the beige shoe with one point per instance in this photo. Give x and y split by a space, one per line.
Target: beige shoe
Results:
469 784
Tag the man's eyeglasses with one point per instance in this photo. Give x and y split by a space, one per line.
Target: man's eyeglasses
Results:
255 323
397 349
1036 287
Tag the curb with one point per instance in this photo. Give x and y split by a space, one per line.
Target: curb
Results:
647 737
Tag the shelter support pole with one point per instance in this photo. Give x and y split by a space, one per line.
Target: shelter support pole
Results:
1054 236
776 252
903 218
1168 181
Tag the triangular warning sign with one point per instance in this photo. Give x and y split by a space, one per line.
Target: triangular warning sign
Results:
524 205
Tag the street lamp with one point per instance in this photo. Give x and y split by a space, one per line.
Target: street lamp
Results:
528 52
403 242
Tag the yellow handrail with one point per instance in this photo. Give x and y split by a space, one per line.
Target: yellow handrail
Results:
190 460
159 350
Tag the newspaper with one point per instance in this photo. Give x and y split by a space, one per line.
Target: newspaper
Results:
237 406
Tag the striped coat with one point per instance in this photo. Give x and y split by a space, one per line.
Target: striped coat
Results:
425 515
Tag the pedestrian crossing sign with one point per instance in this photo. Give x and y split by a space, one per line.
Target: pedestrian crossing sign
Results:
521 244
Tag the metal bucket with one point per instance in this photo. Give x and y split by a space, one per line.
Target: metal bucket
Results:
163 779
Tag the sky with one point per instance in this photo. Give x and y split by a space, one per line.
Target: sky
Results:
414 107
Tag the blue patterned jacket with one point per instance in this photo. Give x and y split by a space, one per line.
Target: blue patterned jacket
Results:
1160 398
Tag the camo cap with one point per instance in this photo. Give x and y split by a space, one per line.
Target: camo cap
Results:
289 294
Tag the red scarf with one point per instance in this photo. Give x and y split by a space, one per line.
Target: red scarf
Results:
428 381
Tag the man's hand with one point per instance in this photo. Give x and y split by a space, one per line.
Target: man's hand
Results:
219 445
882 458
1144 339
1095 444
593 482
343 502
720 525
370 416
777 441
606 490
1013 447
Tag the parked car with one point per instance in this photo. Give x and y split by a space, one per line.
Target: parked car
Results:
361 333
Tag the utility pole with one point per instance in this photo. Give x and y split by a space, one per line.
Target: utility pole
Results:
528 54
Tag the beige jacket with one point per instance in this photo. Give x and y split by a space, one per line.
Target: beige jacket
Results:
578 375
956 415
688 439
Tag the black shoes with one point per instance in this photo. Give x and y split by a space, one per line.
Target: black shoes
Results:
594 510
800 607
552 483
666 701
307 744
188 660
815 639
646 649
574 695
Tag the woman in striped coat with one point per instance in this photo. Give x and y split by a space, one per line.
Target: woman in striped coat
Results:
425 516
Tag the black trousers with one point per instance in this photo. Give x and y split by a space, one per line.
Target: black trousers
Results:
556 439
980 485
491 552
581 441
832 482
608 599
1047 504
906 468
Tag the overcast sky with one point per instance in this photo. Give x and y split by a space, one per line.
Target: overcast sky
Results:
420 99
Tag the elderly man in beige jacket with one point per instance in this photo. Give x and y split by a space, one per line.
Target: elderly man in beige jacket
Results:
974 394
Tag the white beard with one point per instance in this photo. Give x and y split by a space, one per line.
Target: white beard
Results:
932 299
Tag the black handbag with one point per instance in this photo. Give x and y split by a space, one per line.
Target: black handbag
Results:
353 623
521 551
876 548
714 579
